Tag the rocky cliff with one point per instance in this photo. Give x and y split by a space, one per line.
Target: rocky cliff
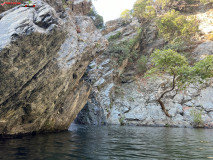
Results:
44 52
121 96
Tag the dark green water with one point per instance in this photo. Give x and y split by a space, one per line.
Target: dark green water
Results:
112 142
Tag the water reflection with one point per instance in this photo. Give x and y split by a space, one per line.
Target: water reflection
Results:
112 142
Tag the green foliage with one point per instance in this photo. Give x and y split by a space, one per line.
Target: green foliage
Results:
141 64
205 1
197 117
97 45
172 25
162 3
176 46
98 20
113 37
173 63
204 68
64 6
144 9
167 61
126 14
124 50
121 51
121 120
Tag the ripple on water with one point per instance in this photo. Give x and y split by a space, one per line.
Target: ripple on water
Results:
112 142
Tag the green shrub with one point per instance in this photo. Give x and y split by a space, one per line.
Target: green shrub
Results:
162 3
172 25
176 45
144 9
113 37
121 120
126 14
141 64
197 117
182 74
120 51
123 50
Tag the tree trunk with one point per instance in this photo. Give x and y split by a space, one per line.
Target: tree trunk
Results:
159 99
163 108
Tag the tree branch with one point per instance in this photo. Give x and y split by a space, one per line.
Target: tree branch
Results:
173 87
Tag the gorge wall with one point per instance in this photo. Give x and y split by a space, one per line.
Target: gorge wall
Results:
52 58
121 96
44 52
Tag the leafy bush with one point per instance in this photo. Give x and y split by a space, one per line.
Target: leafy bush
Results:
203 69
120 51
113 37
197 117
176 45
172 25
124 49
162 3
172 63
144 9
126 14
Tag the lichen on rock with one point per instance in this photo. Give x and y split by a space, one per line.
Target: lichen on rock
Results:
42 60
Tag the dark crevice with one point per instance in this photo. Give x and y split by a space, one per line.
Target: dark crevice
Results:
74 76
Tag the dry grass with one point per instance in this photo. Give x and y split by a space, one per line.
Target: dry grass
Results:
210 36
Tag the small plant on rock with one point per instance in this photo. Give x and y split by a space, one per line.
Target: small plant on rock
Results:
197 117
113 37
121 120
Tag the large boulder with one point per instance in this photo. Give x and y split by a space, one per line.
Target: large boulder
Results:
42 60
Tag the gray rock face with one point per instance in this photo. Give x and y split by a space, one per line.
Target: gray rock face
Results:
102 74
42 60
138 106
91 114
134 102
204 49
